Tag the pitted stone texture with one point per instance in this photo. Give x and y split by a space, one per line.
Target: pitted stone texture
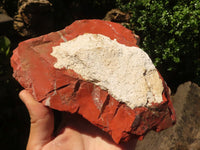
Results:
127 73
66 90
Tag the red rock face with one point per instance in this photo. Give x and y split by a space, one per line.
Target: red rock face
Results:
65 90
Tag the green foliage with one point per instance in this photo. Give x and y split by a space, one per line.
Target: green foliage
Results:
4 45
4 54
169 32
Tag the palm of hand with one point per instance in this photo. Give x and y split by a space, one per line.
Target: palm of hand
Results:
77 133
70 139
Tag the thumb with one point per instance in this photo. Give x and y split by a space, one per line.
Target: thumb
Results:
42 121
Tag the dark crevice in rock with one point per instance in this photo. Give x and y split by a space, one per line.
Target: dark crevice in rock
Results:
119 105
76 87
54 90
104 105
77 111
61 87
145 73
146 105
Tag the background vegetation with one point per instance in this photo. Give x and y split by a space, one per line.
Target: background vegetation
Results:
169 32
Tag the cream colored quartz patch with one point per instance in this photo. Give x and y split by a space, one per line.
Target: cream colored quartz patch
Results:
127 73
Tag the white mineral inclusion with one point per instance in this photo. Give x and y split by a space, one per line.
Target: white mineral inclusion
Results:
127 73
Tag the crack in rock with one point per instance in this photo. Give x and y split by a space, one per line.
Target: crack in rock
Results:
61 87
106 102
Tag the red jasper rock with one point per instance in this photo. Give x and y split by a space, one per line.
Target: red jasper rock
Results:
67 89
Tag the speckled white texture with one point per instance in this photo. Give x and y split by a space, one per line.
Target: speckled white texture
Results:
127 73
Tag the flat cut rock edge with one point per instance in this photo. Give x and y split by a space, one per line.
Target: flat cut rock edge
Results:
65 90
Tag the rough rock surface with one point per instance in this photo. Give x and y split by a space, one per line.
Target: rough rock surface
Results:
66 90
185 134
115 15
34 17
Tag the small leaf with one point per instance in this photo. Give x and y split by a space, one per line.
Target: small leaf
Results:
4 45
7 51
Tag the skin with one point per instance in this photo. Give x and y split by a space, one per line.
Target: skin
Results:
75 133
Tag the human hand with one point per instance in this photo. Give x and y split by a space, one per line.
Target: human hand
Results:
76 134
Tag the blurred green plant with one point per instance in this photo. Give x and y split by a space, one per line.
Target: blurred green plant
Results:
4 45
4 54
169 32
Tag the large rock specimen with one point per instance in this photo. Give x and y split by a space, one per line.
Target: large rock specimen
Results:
95 69
185 134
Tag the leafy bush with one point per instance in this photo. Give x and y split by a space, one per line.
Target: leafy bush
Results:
169 32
